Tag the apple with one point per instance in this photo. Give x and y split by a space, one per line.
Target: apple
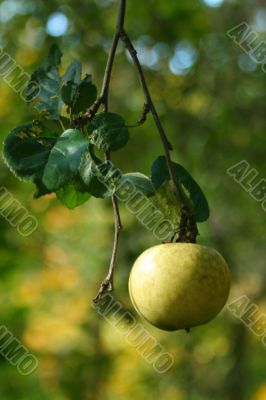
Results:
179 285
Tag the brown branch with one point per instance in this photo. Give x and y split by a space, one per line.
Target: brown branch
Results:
143 118
187 219
110 61
188 228
145 112
108 283
103 98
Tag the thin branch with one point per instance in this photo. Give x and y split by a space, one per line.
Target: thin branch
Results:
108 71
145 112
103 98
188 227
186 218
62 125
110 61
143 118
108 283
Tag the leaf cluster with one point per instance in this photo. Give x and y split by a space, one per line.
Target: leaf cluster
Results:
61 159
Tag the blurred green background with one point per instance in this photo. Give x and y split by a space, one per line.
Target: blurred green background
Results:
211 98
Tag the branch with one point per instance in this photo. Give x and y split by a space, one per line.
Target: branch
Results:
188 228
108 283
187 220
110 61
103 98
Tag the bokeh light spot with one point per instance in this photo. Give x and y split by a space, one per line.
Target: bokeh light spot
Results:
57 24
259 20
246 64
184 58
213 3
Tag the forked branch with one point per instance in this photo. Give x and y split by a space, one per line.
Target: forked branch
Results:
188 228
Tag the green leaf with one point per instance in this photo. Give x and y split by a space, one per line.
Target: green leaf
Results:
54 57
41 189
64 160
108 131
48 91
192 193
68 93
79 96
165 200
86 94
141 182
95 175
26 151
159 172
57 127
46 80
73 73
48 101
73 194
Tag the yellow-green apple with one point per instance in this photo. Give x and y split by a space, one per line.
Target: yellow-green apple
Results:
179 285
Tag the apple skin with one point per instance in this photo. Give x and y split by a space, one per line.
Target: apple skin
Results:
179 285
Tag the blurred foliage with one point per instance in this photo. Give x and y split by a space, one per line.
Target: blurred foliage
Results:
214 113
